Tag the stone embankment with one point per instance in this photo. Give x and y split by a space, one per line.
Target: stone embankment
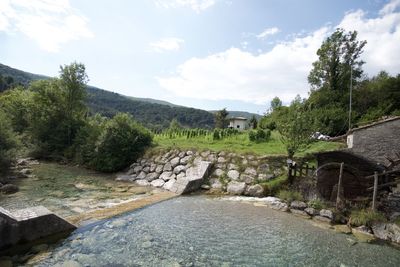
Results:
219 172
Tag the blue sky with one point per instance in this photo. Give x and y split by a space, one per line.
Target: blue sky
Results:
206 54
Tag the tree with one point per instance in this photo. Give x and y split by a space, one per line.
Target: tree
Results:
253 122
174 125
295 127
8 144
275 103
338 55
221 118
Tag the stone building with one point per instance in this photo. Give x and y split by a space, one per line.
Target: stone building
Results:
239 123
376 141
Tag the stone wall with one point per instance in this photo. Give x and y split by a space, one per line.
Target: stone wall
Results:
229 172
377 141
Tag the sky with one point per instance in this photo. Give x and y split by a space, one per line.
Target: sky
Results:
208 54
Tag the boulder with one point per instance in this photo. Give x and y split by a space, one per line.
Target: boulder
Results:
152 176
142 182
26 171
167 167
189 152
166 176
247 178
178 169
327 214
300 213
311 211
265 177
232 166
142 175
159 168
194 178
322 219
182 154
218 172
236 188
9 189
250 171
387 231
205 187
254 191
216 183
278 205
158 183
138 169
146 169
169 185
221 159
205 154
298 205
263 168
233 175
175 161
153 167
363 234
187 159
182 175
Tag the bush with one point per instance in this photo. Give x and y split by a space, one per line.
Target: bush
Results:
120 143
259 135
290 196
8 144
365 217
317 204
216 135
272 187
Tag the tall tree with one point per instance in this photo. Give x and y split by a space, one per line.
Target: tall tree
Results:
221 118
338 55
253 122
276 102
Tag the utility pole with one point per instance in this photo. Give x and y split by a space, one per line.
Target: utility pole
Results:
351 91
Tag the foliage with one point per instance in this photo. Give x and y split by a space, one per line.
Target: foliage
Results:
295 128
317 204
275 104
259 135
8 144
221 121
120 143
253 122
273 186
7 82
289 196
337 57
365 217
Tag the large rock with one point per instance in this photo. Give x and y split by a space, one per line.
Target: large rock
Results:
138 169
9 189
387 231
311 211
221 160
248 179
142 175
218 172
152 176
327 214
142 182
278 205
194 178
167 176
187 159
178 169
169 185
236 188
298 205
233 175
254 191
175 162
322 219
216 183
159 168
167 167
250 171
157 183
300 213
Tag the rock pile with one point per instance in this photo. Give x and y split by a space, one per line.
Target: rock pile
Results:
230 172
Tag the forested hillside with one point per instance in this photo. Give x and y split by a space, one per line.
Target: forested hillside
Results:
153 115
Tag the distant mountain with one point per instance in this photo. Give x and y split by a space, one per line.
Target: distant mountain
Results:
154 114
244 114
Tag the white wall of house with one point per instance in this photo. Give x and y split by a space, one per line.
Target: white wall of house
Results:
238 124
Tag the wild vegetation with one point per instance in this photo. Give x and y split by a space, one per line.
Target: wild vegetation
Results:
52 119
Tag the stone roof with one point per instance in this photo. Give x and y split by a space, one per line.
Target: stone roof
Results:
238 118
375 123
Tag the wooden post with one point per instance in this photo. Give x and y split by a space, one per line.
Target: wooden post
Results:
339 188
375 191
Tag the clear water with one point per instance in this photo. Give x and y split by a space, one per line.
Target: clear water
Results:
201 231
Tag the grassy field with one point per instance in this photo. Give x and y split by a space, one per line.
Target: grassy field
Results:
240 144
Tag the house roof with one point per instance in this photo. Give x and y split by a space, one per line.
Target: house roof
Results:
238 118
375 123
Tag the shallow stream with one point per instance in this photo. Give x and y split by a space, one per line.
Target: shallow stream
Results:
204 231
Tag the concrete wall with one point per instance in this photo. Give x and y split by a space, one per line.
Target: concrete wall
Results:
377 141
238 124
28 225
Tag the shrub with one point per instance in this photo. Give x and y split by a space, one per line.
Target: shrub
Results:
216 135
365 217
259 135
120 143
317 204
272 187
289 196
8 144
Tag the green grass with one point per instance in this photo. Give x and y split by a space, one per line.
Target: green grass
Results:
289 195
240 144
365 217
272 187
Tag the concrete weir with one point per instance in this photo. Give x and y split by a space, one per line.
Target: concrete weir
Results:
29 225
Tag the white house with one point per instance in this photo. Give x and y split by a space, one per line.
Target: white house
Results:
239 123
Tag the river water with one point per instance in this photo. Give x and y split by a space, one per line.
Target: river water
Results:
203 231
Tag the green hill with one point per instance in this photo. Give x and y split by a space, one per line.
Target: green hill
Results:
244 114
154 114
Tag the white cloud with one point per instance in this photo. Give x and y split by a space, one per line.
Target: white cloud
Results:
49 23
267 32
236 74
196 5
167 44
